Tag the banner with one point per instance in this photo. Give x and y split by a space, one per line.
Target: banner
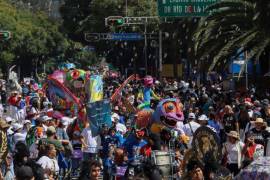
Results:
96 88
119 90
57 90
99 114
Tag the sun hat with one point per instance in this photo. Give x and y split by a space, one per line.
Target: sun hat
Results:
258 120
233 134
3 124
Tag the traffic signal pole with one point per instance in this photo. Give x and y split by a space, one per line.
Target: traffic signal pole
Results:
160 55
145 49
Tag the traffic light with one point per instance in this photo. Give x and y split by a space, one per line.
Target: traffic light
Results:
114 21
5 35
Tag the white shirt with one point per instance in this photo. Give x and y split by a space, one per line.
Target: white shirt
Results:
180 127
234 151
48 163
19 137
189 129
93 143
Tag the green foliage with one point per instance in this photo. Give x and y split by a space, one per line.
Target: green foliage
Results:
34 36
234 25
89 16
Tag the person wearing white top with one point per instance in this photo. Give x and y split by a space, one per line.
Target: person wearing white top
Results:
48 162
91 144
191 127
232 151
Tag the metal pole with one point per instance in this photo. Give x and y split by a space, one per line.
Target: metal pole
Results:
145 48
246 69
160 54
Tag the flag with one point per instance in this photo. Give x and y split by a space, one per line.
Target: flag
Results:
96 88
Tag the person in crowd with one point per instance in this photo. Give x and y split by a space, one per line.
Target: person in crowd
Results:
48 162
18 134
77 154
194 171
25 173
91 144
191 126
232 152
51 139
251 150
212 122
229 120
90 170
134 143
259 132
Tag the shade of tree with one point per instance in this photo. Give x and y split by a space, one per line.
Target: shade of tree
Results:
235 26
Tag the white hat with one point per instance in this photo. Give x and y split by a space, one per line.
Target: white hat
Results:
121 128
19 137
9 131
67 120
191 116
203 117
27 121
115 117
17 126
9 119
46 118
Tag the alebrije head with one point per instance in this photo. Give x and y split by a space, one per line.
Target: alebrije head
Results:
148 81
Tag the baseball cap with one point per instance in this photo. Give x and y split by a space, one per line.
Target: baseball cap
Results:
191 116
45 118
51 130
9 119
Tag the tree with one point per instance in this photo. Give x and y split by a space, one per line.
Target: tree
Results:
235 26
34 38
80 17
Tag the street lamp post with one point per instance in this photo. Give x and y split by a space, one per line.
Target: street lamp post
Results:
160 55
126 9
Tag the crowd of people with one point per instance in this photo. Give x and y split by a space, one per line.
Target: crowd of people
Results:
37 141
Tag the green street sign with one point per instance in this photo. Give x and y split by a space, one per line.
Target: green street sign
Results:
184 8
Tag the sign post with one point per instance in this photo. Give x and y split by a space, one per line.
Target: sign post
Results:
184 8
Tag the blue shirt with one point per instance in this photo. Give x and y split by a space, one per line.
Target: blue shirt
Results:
133 145
215 125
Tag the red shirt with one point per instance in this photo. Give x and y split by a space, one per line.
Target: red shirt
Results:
12 100
250 151
146 150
